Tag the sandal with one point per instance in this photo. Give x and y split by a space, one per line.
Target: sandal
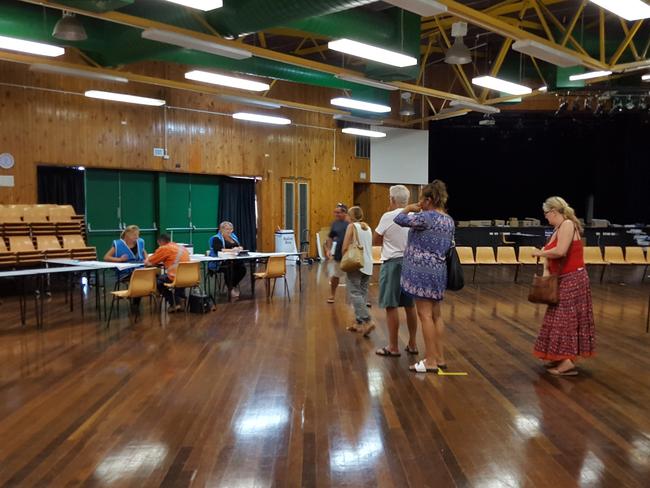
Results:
442 367
384 351
569 372
420 367
330 300
368 330
411 351
352 328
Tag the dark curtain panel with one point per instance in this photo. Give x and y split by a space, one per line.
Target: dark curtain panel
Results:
237 205
63 186
507 170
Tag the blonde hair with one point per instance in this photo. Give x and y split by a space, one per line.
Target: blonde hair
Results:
560 205
225 224
437 192
356 216
128 229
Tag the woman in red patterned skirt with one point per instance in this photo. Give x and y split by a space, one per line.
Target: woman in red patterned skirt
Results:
568 331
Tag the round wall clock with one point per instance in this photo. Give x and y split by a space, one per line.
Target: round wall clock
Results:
6 161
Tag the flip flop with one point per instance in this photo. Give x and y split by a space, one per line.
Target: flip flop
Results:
552 364
420 367
568 372
411 351
442 367
368 330
330 300
352 328
384 351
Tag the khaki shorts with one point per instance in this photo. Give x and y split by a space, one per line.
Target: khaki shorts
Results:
334 269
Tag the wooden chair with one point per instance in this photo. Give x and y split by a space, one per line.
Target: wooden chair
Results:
7 258
24 249
75 243
376 255
276 267
593 256
35 213
188 275
51 247
466 258
506 256
142 284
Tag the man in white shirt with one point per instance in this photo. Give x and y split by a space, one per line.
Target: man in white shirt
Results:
392 239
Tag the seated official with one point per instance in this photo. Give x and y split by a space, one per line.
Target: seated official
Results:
227 241
129 248
169 254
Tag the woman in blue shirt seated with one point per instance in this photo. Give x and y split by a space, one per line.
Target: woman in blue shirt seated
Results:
227 241
129 248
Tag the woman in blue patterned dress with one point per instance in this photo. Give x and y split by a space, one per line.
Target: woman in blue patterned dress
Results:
424 270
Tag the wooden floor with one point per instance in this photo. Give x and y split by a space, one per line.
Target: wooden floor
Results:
279 394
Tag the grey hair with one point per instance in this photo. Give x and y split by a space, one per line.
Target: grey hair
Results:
225 224
400 194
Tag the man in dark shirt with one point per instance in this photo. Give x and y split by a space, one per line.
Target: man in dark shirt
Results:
334 248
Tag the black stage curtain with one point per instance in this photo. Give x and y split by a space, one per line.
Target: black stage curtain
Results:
509 169
237 205
63 186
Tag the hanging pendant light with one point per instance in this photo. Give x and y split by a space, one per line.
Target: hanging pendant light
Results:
458 53
69 28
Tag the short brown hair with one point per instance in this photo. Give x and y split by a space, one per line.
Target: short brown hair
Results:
437 192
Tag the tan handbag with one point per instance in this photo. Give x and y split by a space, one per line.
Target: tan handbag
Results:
353 258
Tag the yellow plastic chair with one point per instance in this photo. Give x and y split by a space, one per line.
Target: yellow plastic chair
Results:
593 256
614 255
188 275
6 258
526 255
142 284
506 256
485 255
11 214
276 267
35 213
466 258
61 213
635 255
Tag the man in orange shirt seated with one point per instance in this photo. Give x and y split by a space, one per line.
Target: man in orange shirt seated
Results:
169 254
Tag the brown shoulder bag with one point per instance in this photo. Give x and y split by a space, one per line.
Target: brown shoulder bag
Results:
545 289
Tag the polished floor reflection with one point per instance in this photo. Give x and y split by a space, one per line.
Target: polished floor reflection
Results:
264 394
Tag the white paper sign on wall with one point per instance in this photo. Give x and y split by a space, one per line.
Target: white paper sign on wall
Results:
7 181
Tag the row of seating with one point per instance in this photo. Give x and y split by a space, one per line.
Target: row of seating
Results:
23 250
36 213
593 255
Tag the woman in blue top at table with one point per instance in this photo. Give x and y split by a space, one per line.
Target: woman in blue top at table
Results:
227 241
129 248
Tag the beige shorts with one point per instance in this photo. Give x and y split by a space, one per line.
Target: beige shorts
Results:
334 269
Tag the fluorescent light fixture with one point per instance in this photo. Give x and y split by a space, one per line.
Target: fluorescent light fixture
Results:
589 75
20 45
501 85
224 80
367 82
81 73
363 132
204 5
628 9
373 53
476 107
122 97
425 8
265 119
189 42
359 105
546 53
250 101
543 88
358 120
646 77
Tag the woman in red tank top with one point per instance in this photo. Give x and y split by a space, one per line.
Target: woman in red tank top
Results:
568 330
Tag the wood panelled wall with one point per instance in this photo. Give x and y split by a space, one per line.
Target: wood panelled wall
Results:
62 127
373 198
